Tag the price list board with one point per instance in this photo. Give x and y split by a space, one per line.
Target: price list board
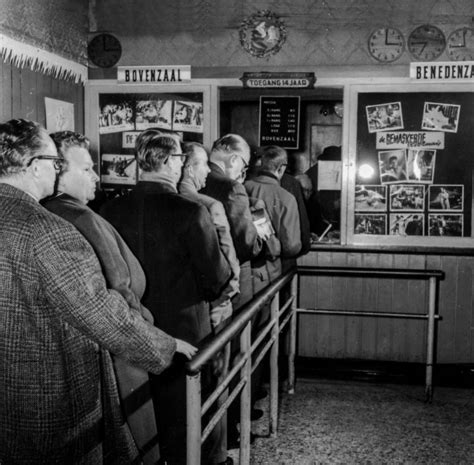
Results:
279 121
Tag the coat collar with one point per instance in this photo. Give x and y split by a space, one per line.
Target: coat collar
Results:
267 177
7 190
156 187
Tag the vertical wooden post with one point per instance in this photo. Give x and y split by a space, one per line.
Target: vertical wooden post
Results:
193 416
430 340
292 332
274 310
245 401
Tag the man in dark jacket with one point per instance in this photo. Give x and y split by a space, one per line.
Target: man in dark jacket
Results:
176 242
123 273
229 160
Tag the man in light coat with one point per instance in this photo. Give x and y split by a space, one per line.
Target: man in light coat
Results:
58 323
122 271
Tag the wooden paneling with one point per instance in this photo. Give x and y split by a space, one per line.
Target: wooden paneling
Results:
387 339
22 94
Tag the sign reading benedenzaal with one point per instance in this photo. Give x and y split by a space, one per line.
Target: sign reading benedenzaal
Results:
279 121
459 71
153 74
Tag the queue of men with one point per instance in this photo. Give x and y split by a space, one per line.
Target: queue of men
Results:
100 312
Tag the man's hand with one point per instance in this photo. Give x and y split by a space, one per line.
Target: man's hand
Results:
183 347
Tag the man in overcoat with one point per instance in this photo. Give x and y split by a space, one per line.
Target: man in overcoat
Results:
75 188
176 242
58 323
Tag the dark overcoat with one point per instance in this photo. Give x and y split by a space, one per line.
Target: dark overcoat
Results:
247 243
58 323
176 242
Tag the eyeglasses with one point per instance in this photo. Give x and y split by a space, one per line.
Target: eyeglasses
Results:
181 155
57 161
246 165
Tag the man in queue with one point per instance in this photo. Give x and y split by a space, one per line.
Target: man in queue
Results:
176 242
58 322
75 188
282 210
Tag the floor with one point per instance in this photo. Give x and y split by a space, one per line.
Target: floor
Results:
331 421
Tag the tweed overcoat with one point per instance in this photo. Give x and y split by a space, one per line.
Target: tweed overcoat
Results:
58 323
123 273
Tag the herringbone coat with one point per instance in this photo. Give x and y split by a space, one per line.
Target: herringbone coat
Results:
58 323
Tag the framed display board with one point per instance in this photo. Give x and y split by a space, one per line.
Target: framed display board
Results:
117 113
412 179
279 121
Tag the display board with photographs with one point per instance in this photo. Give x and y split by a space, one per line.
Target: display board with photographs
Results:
415 167
122 117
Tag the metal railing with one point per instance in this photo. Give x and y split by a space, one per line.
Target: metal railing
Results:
432 276
251 354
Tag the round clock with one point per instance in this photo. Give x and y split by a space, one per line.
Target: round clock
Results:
104 50
426 42
460 45
386 44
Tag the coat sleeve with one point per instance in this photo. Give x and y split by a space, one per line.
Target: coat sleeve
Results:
210 263
76 292
290 231
247 242
101 236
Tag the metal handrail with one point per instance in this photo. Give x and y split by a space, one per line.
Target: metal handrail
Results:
217 343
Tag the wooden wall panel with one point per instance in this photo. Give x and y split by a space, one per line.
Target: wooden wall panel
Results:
387 339
22 94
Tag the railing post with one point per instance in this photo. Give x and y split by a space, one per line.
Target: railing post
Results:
245 401
430 340
292 332
274 317
193 416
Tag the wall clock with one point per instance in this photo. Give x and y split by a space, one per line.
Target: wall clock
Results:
104 50
460 46
386 44
426 42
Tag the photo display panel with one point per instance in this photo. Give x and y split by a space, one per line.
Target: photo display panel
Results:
123 116
414 164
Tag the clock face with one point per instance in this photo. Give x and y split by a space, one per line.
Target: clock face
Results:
460 45
386 44
104 50
426 42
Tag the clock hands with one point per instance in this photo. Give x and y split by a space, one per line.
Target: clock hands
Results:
387 41
424 43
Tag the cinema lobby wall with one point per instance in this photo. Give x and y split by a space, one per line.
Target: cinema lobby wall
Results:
330 40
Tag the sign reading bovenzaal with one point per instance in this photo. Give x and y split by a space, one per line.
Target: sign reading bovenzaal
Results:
442 71
278 80
409 139
153 74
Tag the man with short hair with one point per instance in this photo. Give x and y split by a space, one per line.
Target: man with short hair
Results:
58 322
282 210
75 188
176 242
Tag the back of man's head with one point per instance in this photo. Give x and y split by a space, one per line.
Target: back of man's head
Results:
155 151
20 140
274 158
232 154
193 150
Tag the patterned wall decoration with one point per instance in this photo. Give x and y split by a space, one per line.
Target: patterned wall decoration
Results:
46 35
205 33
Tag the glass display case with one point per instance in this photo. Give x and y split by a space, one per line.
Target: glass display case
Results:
118 113
411 165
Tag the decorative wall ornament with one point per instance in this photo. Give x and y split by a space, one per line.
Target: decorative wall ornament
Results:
262 34
23 55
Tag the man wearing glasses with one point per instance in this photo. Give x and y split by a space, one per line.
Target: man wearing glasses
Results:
176 242
58 321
